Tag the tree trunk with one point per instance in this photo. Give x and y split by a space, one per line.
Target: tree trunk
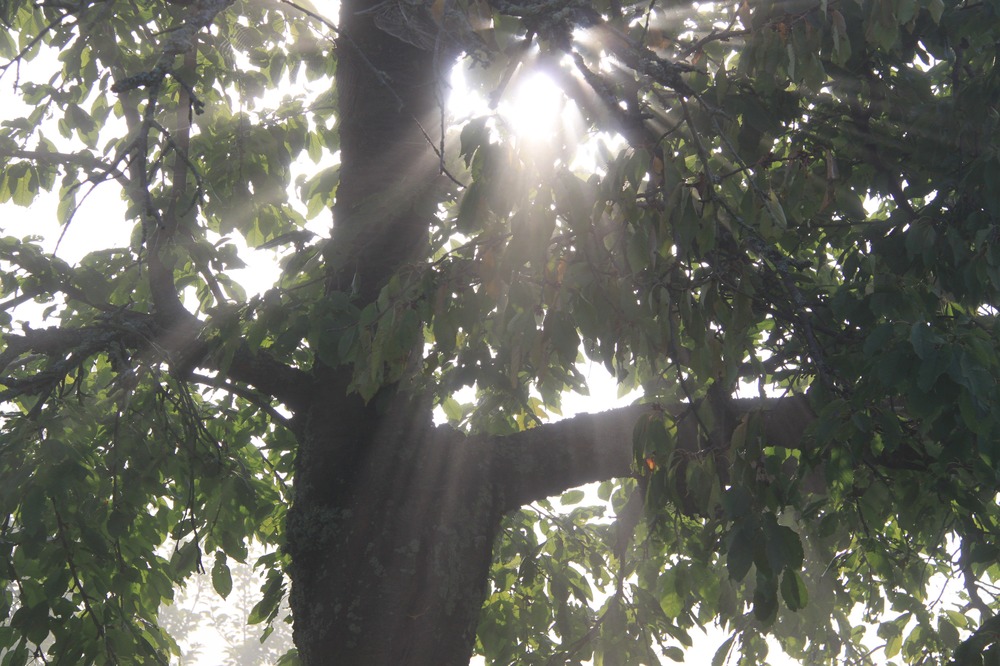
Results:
390 543
392 527
389 104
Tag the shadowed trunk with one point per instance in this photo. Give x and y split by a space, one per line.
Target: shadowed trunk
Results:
392 528
391 545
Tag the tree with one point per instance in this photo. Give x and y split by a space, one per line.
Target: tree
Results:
794 199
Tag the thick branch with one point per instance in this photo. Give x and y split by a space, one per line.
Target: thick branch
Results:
68 347
547 460
290 385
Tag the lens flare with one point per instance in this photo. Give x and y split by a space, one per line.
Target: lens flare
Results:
534 111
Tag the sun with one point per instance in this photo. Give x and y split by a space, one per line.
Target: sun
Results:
528 105
535 108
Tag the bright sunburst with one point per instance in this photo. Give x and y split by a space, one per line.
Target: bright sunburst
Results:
534 110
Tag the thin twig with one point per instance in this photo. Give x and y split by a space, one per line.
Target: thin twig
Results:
241 392
61 530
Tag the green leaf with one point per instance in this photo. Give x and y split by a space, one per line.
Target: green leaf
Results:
674 653
722 654
118 523
571 497
793 590
222 579
452 410
267 608
765 600
472 210
783 546
186 559
936 9
892 646
740 554
474 134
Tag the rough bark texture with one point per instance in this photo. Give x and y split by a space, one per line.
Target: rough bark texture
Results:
393 522
391 536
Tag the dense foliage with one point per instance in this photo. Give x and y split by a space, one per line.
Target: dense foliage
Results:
785 198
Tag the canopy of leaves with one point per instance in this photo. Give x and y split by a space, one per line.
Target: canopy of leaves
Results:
789 197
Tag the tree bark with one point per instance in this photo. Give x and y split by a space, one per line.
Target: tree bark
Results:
393 522
391 535
388 101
